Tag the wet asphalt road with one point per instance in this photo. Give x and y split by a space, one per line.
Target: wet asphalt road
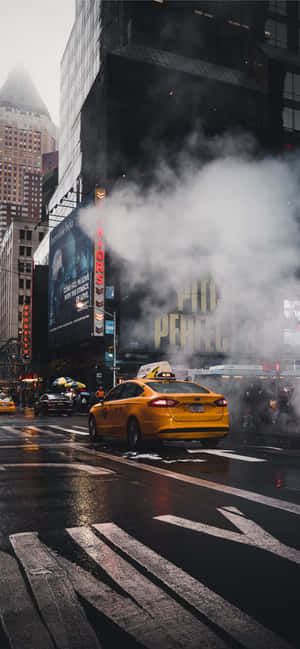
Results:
174 547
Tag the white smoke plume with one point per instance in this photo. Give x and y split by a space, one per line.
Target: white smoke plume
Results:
232 218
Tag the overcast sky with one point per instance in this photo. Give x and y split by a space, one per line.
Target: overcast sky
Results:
35 33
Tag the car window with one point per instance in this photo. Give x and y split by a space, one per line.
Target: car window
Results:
131 390
176 387
116 393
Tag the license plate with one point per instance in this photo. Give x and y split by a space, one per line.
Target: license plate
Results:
196 408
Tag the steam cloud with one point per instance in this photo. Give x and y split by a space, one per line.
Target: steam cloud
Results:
232 218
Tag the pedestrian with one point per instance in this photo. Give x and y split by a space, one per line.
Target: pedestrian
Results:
100 393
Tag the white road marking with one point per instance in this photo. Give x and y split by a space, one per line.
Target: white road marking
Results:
181 628
122 610
158 458
20 619
21 433
273 448
199 482
184 460
229 454
80 427
36 445
251 533
93 470
68 430
247 631
54 594
14 431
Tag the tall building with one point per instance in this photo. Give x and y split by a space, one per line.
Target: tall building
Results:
26 133
131 69
80 66
139 77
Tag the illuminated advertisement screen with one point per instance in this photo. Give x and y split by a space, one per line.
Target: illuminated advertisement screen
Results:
179 320
71 267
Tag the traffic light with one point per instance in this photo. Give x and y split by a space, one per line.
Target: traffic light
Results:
26 332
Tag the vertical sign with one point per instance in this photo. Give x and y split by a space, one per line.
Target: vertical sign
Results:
99 266
26 332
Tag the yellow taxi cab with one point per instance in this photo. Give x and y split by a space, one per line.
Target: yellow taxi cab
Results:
7 405
156 406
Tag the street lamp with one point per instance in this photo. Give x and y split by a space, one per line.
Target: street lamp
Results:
81 305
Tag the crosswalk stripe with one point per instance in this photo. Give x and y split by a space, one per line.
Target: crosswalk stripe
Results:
68 430
228 454
181 628
88 468
118 608
19 431
20 620
232 620
54 594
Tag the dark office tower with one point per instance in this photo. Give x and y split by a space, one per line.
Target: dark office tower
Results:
139 77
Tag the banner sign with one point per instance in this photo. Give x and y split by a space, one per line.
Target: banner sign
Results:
99 267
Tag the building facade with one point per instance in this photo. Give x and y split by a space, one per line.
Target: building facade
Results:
26 134
139 78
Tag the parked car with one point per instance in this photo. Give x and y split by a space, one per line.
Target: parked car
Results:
7 405
53 404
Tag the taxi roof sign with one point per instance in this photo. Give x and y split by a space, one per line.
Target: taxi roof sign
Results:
161 369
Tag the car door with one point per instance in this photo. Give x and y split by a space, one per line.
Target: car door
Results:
123 405
107 413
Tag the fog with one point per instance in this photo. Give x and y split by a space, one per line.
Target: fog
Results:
231 220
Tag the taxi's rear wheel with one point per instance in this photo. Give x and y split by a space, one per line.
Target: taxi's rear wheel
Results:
133 434
92 430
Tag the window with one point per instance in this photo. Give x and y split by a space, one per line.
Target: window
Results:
174 387
28 268
21 299
276 33
292 86
41 236
21 251
20 316
27 299
21 267
116 393
28 252
131 390
278 6
21 283
291 119
22 234
28 283
29 235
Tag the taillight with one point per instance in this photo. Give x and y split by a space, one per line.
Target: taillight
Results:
221 403
163 403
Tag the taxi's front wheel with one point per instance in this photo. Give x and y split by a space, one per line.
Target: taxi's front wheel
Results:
133 434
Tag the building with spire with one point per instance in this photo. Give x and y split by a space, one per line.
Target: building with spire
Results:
26 133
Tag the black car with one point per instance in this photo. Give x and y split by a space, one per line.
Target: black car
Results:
53 404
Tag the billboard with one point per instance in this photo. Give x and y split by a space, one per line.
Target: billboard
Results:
71 270
188 321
